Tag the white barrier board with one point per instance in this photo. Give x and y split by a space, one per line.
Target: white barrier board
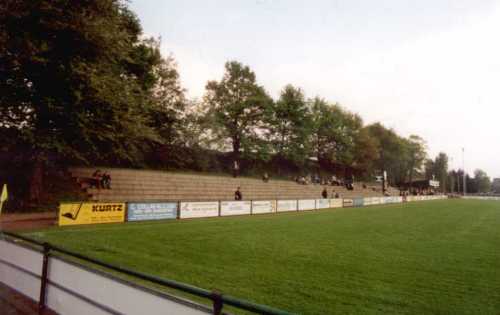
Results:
26 259
235 207
322 203
336 203
307 204
348 202
76 290
199 209
287 205
105 291
368 201
263 206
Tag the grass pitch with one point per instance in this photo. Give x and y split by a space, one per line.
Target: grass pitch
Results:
434 257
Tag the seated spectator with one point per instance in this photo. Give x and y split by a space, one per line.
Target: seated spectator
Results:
265 177
237 194
302 180
324 193
364 186
96 179
106 181
317 179
337 196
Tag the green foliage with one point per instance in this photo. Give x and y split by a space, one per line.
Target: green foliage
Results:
495 186
334 132
482 183
289 126
237 106
75 77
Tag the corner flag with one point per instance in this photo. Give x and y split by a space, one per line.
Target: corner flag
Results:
4 196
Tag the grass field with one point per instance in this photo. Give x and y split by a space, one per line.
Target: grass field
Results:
434 257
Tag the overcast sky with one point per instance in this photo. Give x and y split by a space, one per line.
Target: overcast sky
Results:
428 67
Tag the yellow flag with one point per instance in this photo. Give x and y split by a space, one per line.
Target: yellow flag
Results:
4 195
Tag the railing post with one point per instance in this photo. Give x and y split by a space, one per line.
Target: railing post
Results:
43 283
217 303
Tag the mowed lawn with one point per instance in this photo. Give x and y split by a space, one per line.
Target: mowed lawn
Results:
433 257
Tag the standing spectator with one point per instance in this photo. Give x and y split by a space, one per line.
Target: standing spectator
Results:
324 193
237 194
236 168
106 181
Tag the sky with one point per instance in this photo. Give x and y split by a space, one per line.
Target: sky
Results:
428 67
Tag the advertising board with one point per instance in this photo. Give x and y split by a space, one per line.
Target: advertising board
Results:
141 211
336 203
287 205
235 207
322 203
306 204
199 209
91 213
263 206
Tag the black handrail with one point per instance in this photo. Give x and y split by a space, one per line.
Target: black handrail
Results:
214 296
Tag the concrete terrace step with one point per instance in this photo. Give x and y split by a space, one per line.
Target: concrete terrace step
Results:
141 185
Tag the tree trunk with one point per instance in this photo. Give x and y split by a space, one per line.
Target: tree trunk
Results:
36 182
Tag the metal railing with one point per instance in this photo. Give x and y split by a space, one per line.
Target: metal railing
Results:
218 299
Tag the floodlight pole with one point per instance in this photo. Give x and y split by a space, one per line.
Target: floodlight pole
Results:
452 180
463 165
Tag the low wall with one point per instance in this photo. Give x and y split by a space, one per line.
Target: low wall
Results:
481 198
89 213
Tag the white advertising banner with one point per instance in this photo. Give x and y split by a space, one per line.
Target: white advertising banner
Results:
287 205
348 203
263 206
199 209
336 203
322 203
307 204
235 207
375 200
368 201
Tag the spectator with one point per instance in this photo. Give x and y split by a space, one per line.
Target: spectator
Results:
337 196
324 193
106 181
316 179
265 177
236 168
237 194
96 179
302 180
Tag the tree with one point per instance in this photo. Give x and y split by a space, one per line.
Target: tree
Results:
75 85
482 182
495 186
333 133
389 145
417 153
441 169
366 151
429 169
289 127
238 107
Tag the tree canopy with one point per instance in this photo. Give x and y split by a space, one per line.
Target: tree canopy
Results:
80 83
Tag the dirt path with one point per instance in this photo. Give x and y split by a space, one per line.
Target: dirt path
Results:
27 221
